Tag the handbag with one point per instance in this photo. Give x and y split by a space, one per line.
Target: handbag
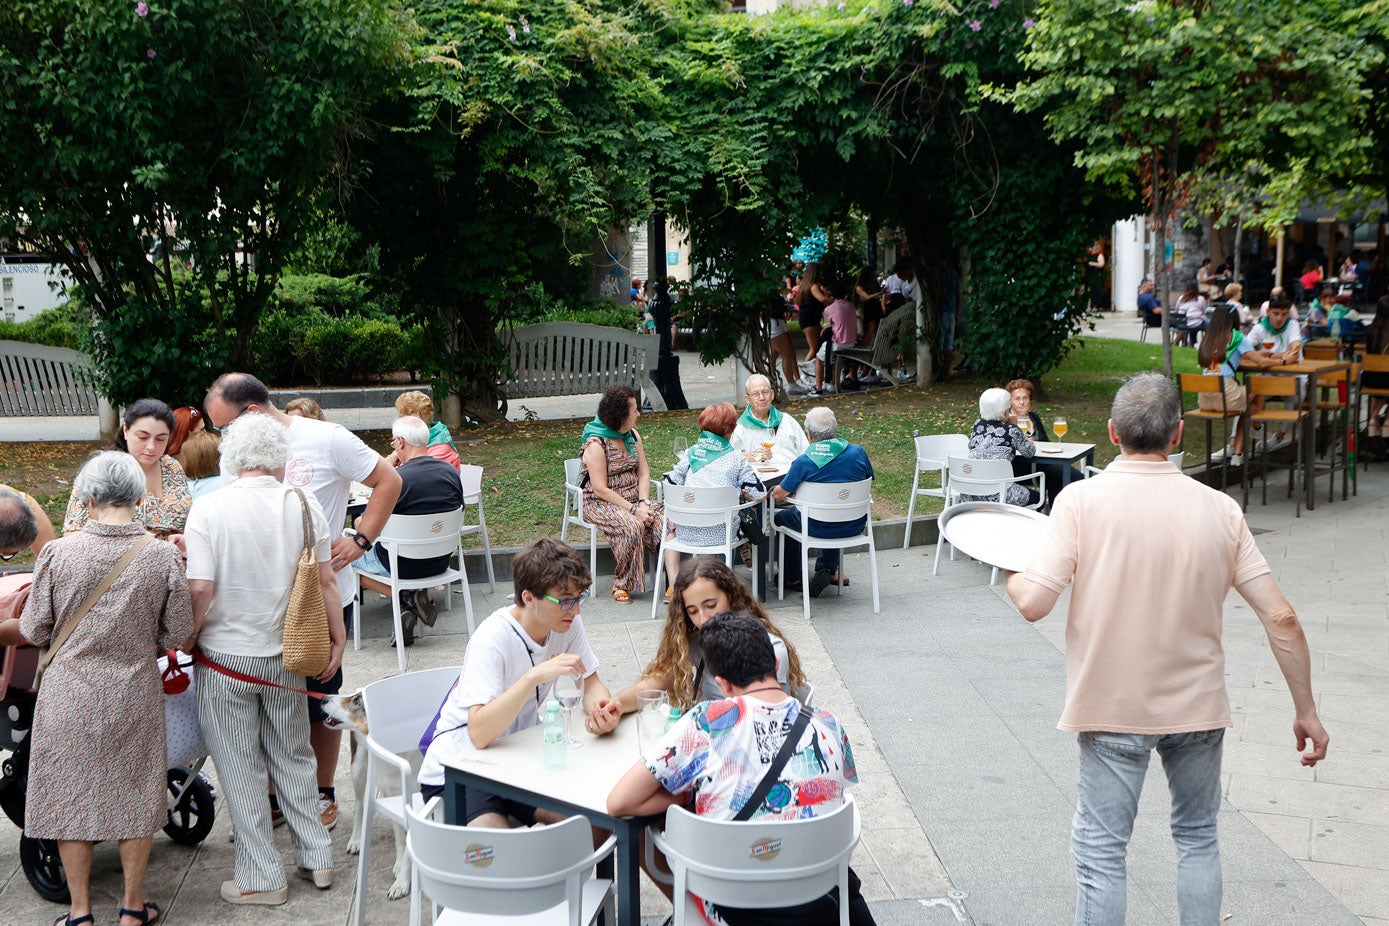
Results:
119 567
176 680
307 644
183 731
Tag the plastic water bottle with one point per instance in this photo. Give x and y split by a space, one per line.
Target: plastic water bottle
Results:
554 737
673 717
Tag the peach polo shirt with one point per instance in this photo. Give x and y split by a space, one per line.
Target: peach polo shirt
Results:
1151 555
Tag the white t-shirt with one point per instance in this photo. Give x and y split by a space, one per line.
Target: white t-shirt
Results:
908 288
246 539
324 460
1262 331
790 439
497 656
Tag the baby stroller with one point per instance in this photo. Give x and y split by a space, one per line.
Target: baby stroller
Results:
192 809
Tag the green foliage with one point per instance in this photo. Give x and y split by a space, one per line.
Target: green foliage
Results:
60 326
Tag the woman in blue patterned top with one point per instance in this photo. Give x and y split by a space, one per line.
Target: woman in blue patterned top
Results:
993 438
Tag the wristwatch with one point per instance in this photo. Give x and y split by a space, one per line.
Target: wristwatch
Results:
361 541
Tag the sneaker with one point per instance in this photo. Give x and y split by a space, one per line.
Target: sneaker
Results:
322 878
826 389
233 894
904 377
797 388
425 607
812 393
328 813
820 582
875 380
1280 440
1236 459
1221 454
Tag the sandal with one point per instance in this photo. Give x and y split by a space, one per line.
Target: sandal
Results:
143 914
621 596
67 920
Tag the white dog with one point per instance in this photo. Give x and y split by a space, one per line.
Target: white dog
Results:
348 712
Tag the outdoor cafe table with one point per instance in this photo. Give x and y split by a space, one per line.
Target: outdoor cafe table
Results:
1312 369
1058 454
512 767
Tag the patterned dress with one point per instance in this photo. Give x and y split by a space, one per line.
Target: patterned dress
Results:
97 769
996 440
627 536
161 515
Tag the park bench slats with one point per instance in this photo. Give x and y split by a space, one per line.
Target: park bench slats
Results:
44 381
566 358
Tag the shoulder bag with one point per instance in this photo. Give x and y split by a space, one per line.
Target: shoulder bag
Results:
56 644
307 643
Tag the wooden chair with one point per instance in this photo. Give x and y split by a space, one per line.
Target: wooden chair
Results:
1210 384
1332 403
1370 363
1320 352
1285 388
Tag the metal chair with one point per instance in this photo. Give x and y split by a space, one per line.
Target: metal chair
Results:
931 453
1334 401
752 865
471 478
417 536
835 502
398 710
1284 388
574 511
1211 384
986 480
490 877
696 506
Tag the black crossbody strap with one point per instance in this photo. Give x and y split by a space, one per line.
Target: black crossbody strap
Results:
788 746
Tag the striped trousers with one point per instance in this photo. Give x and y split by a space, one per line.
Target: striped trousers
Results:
254 731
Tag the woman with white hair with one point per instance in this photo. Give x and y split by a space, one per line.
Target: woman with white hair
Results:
762 423
244 543
97 770
994 438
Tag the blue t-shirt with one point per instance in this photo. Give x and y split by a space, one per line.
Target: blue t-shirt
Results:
850 466
1149 303
1232 360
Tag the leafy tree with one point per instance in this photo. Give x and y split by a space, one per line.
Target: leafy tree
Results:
146 138
1161 96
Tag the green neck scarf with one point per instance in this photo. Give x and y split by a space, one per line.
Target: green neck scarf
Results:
1236 337
707 449
1268 323
822 452
596 428
748 420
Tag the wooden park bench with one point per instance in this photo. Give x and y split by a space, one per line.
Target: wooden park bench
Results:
566 358
36 380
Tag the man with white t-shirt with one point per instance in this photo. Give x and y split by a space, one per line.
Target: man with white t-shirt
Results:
324 459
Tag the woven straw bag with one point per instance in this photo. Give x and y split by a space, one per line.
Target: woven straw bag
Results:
308 646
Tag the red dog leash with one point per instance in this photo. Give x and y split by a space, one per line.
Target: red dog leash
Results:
243 677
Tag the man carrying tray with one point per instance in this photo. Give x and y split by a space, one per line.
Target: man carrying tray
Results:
1144 664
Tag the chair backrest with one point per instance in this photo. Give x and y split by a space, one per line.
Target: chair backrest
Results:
1321 353
700 506
491 872
1271 385
400 707
1202 382
885 346
471 478
1177 459
1375 363
573 472
835 501
980 477
420 536
759 865
932 450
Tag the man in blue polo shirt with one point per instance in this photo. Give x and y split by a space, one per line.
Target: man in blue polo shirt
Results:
827 459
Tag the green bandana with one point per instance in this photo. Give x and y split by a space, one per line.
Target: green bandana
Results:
707 449
1268 324
822 452
596 428
1236 338
748 420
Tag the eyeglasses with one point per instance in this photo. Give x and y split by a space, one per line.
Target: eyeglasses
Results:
569 604
760 394
6 557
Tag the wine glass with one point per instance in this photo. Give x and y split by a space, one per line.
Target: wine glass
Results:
767 446
1059 426
681 446
568 694
1025 425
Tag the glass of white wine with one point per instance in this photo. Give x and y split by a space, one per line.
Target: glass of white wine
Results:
681 446
1059 426
568 693
767 446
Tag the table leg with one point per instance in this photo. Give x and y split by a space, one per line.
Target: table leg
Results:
453 802
628 833
1309 464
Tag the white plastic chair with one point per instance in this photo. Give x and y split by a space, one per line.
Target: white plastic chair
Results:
696 506
398 710
489 877
932 450
574 511
756 865
987 480
471 477
417 536
833 502
1174 458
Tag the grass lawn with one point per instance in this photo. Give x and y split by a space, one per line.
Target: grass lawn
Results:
523 458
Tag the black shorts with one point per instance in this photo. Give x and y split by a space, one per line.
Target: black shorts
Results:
477 802
810 315
334 684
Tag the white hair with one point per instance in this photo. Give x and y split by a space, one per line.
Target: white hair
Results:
412 430
111 479
820 423
994 403
756 379
254 441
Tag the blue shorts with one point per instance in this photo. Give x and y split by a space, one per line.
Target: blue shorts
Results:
369 562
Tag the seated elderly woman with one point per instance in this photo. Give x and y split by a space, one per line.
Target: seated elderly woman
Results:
440 444
712 461
993 438
762 431
617 489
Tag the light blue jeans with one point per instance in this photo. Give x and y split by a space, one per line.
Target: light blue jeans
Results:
1110 780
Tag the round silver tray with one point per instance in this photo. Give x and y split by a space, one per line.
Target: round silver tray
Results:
999 535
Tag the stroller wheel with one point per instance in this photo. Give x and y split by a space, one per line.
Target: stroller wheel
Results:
44 868
192 816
